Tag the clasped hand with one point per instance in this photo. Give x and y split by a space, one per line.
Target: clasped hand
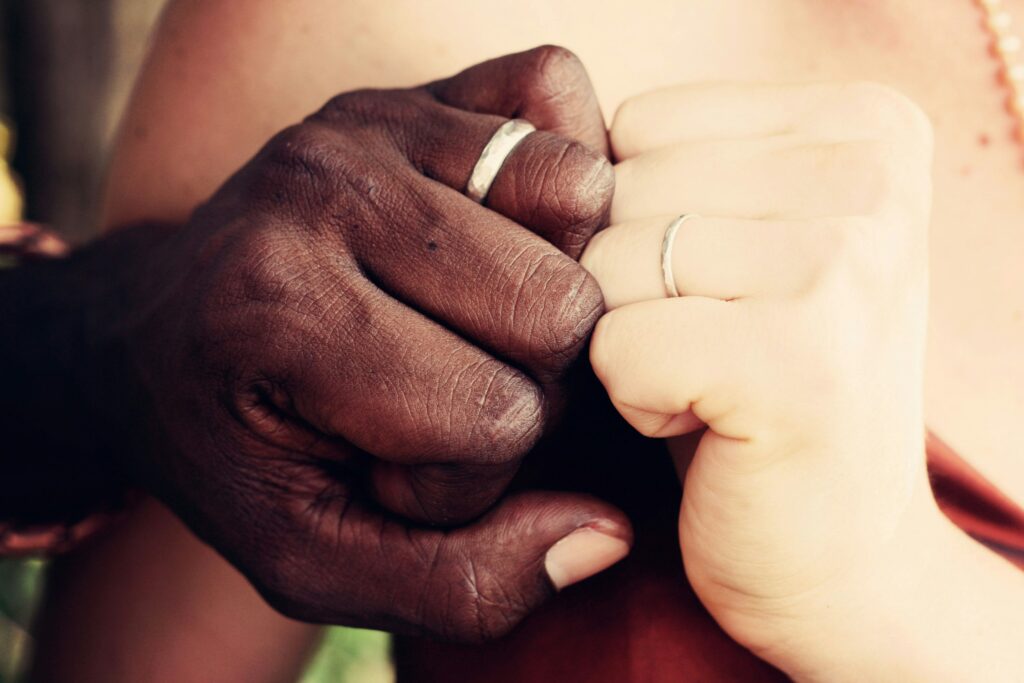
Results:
346 358
347 354
797 338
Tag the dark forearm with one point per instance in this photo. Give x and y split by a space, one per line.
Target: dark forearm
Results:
68 402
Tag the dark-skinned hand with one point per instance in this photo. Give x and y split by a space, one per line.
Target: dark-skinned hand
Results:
345 359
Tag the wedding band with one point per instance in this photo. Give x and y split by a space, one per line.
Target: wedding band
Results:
501 144
666 254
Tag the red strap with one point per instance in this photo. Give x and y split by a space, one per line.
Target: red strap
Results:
974 503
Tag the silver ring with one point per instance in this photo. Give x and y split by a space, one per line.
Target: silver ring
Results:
666 253
501 144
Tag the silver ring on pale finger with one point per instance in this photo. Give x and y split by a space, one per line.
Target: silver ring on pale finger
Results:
496 152
667 245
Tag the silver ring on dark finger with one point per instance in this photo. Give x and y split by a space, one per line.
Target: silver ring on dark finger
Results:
496 152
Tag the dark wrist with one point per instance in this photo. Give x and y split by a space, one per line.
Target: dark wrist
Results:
70 404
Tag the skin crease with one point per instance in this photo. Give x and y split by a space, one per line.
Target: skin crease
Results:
974 370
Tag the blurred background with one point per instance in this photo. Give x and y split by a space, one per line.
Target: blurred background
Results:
66 70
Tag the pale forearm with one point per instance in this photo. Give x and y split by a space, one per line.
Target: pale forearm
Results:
945 608
971 612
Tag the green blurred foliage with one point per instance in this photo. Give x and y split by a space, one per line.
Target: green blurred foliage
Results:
20 585
345 655
352 655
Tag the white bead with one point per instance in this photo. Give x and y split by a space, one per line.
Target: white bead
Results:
1015 72
1015 104
1008 45
990 5
1001 21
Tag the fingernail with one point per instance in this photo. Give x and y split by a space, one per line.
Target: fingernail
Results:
582 554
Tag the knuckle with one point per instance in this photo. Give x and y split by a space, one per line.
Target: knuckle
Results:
297 170
509 415
553 76
302 149
559 303
875 173
878 252
356 106
897 117
862 257
268 269
275 289
383 114
554 67
845 249
583 189
578 315
562 189
247 285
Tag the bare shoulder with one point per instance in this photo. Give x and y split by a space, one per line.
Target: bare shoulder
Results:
223 76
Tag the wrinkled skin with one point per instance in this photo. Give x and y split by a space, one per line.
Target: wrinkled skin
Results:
346 360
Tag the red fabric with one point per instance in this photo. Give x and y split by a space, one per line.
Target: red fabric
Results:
642 622
974 503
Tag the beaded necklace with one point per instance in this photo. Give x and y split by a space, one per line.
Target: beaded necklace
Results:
1005 46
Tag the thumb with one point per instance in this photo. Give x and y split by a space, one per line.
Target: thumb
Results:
548 86
469 584
494 573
